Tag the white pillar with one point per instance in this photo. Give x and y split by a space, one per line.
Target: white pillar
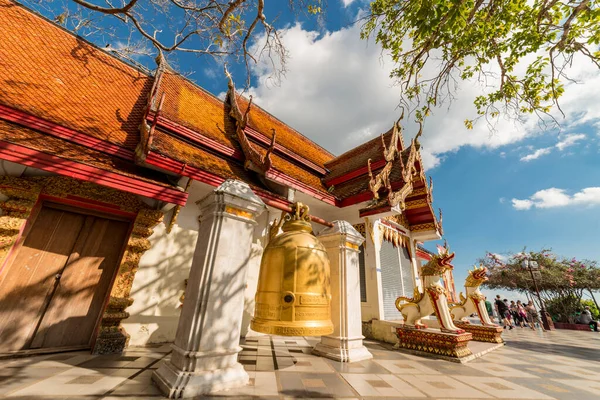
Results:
204 357
346 342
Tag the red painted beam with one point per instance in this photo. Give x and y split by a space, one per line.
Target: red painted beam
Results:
197 138
50 128
423 255
261 138
365 196
212 144
46 162
355 173
269 199
296 184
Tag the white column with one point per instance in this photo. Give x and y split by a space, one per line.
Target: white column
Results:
373 308
204 357
346 342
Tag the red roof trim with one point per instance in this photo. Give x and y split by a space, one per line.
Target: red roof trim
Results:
50 128
259 137
33 158
196 137
355 173
168 164
212 144
364 196
293 183
423 255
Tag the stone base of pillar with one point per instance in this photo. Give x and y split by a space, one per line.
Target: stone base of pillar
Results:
342 349
176 384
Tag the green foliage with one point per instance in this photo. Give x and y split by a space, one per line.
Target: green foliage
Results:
593 309
562 283
524 45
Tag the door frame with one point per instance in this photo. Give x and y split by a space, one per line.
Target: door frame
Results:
82 206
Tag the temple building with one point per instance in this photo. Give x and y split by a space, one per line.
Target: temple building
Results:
109 175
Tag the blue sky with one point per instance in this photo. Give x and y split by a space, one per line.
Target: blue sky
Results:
337 92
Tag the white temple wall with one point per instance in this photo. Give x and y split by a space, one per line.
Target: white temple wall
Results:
373 307
159 282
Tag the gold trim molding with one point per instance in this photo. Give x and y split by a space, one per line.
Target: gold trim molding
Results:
238 212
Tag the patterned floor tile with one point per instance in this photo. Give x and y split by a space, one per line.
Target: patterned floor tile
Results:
73 382
406 367
498 370
589 386
579 372
384 385
361 367
440 386
501 388
314 385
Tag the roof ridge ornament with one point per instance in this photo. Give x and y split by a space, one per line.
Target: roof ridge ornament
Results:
391 152
147 130
254 160
408 171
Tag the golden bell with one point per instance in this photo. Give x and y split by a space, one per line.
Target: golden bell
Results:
293 295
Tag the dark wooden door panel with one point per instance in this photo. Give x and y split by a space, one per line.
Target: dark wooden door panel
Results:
78 300
28 282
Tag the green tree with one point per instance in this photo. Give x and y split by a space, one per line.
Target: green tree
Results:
562 284
523 46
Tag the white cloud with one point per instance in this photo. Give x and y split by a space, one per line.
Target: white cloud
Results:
537 154
522 204
337 91
554 197
347 2
565 141
569 140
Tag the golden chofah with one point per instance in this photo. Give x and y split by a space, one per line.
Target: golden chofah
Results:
293 295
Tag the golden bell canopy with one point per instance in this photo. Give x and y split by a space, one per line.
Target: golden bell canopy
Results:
293 295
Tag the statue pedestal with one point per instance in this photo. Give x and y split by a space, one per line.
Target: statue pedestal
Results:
426 342
491 334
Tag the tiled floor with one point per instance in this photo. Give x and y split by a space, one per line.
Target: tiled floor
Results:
533 365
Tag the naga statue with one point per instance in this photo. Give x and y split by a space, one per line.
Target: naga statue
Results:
434 299
474 302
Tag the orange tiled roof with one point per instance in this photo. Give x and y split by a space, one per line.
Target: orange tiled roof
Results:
31 139
193 107
263 122
57 76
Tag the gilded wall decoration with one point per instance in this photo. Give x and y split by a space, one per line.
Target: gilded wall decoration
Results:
22 195
360 228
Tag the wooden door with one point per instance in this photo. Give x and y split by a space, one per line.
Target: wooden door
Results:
54 290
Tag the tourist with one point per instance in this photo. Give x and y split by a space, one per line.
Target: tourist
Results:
514 312
586 319
533 316
508 314
502 310
522 313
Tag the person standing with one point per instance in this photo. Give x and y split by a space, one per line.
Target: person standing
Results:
533 316
502 311
514 312
522 313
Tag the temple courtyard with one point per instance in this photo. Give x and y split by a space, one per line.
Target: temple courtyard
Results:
532 365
